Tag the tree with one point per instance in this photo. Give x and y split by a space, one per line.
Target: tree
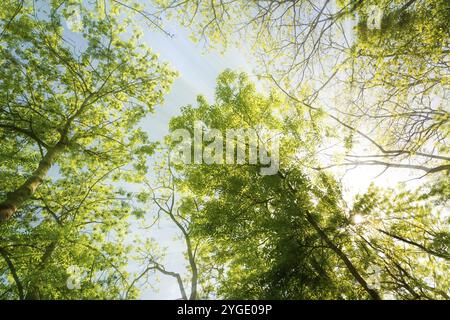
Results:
278 235
75 83
71 106
389 71
398 84
406 236
68 242
162 197
291 235
265 220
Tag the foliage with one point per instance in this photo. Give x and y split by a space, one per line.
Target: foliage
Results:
79 176
259 228
71 102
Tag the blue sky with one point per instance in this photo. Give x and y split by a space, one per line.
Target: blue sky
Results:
198 69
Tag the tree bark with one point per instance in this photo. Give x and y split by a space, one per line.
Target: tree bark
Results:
15 200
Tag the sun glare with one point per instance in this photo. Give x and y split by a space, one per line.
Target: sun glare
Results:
358 219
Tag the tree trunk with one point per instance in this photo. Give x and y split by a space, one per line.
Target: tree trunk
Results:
34 291
194 269
355 273
351 268
13 271
15 200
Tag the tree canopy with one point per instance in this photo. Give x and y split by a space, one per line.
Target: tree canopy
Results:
292 235
257 199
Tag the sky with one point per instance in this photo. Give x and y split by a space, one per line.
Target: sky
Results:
198 70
